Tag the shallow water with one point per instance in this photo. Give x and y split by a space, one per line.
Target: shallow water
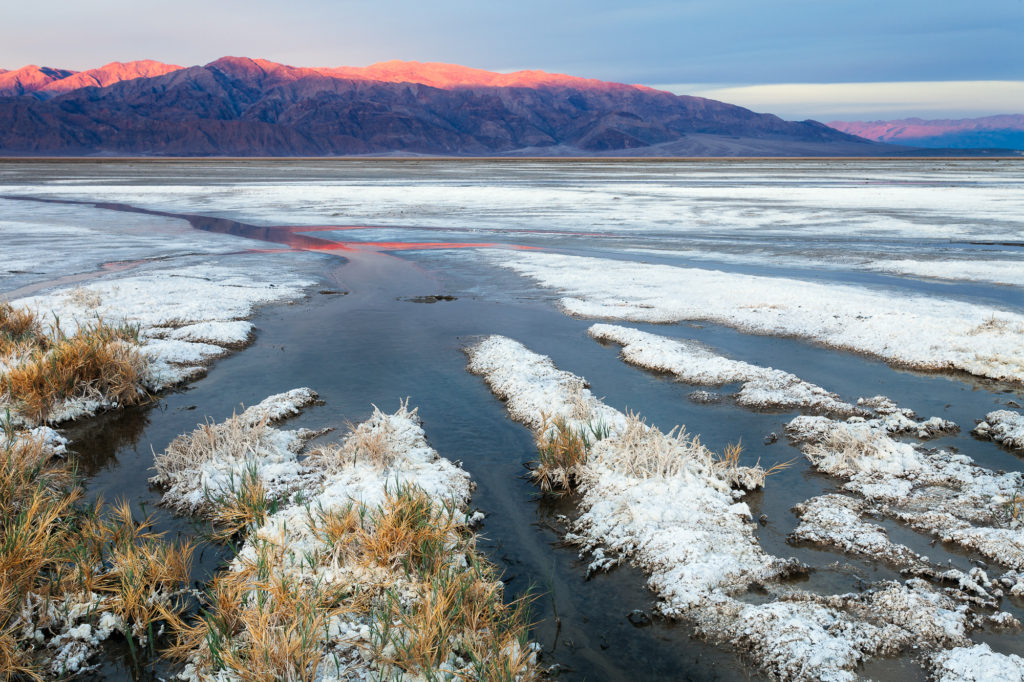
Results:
374 345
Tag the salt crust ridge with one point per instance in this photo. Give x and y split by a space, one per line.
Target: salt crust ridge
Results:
687 529
187 317
1004 427
78 640
915 331
691 535
837 521
694 363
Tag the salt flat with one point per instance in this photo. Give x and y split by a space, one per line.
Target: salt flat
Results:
805 286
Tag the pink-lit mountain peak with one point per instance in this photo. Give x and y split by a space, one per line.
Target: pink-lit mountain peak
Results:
111 73
448 76
432 74
29 79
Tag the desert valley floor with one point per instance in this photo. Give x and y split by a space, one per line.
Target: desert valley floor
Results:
859 323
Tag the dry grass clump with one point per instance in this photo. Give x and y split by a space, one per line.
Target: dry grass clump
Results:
456 617
561 451
244 507
45 366
55 553
414 575
18 327
86 298
233 439
259 625
639 451
841 448
411 531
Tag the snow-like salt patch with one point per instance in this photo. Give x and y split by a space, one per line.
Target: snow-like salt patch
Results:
199 468
534 388
835 520
935 491
976 663
804 636
383 454
1003 426
52 440
694 363
348 476
910 330
665 504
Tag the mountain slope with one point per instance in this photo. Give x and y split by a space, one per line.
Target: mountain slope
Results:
241 106
1006 131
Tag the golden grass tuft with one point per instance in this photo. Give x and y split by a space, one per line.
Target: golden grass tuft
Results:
18 325
409 530
455 613
46 366
561 451
434 599
244 507
259 625
53 549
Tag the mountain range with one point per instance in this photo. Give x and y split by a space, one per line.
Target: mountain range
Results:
236 106
1006 131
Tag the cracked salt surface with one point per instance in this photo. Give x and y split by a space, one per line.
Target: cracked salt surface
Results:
910 330
665 504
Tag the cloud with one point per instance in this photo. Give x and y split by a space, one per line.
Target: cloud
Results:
863 101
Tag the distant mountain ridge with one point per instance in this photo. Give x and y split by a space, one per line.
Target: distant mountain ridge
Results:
252 107
1004 131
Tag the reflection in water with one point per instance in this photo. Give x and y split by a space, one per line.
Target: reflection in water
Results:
291 236
96 442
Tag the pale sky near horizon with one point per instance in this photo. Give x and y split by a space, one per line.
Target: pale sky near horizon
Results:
824 59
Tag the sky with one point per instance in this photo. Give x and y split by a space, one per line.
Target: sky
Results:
823 59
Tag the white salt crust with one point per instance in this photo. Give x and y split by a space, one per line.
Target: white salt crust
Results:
662 503
247 446
910 330
976 663
186 316
1004 427
694 363
934 491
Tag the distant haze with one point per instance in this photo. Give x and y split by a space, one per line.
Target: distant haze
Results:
869 101
648 41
